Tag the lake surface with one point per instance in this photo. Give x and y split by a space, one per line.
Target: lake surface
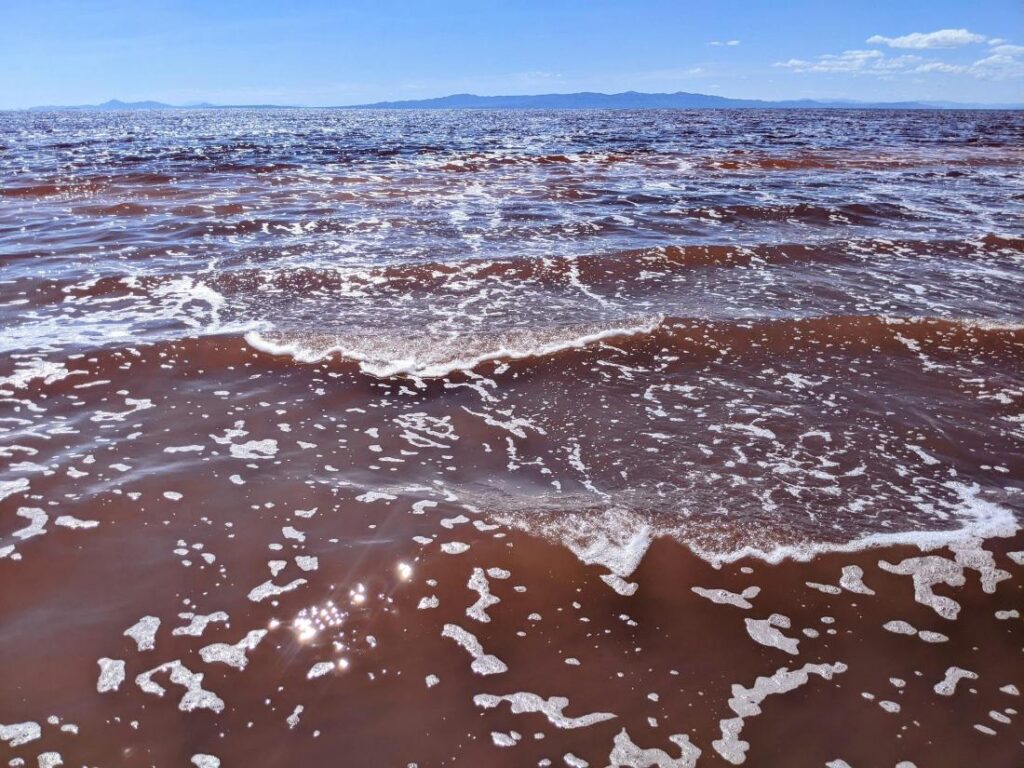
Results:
382 431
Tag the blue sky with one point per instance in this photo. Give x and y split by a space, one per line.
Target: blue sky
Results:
317 52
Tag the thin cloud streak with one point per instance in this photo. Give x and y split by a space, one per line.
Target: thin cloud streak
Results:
942 38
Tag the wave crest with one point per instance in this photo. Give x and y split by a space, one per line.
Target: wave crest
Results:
430 358
405 352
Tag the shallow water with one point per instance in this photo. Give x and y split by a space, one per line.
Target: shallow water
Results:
275 367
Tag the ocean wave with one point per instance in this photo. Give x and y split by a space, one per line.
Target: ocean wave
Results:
616 533
849 160
608 271
405 352
389 357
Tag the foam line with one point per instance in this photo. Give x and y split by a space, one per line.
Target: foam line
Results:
414 368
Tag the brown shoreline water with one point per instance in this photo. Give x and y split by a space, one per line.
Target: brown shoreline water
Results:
396 719
389 416
76 591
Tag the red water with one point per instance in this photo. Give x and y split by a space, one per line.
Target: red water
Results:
431 424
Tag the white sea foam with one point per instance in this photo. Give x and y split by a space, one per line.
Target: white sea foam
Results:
766 632
552 708
478 582
195 696
254 449
270 589
947 686
852 580
143 632
198 623
68 521
10 487
35 368
320 669
500 739
900 627
233 655
372 363
17 734
980 519
626 754
614 538
483 663
725 597
746 703
618 538
620 585
111 675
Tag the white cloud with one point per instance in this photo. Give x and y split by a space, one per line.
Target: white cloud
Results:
941 66
1000 66
943 38
669 75
720 43
1004 62
1008 50
852 62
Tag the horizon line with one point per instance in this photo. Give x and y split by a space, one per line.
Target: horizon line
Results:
467 94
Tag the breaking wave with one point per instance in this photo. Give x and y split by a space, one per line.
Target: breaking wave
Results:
407 352
384 357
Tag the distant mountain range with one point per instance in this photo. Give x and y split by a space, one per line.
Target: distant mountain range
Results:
585 100
115 106
635 100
